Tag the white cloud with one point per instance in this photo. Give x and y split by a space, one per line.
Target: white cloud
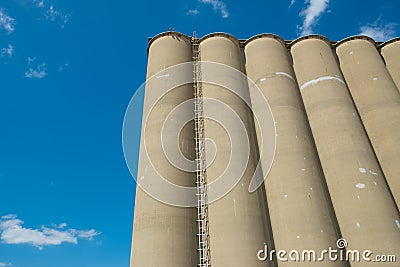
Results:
7 51
39 3
311 14
193 12
62 225
218 6
7 23
51 13
38 73
13 232
379 31
31 60
3 264
292 3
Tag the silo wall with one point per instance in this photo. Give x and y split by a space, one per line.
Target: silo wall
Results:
299 207
236 221
164 235
391 53
362 201
378 103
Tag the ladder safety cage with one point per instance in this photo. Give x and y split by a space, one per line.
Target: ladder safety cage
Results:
201 185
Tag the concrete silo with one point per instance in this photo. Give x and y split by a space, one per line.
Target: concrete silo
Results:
391 53
299 207
164 235
378 103
236 221
365 210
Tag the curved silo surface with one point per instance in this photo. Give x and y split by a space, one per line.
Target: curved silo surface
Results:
391 53
164 235
298 204
378 102
236 227
362 202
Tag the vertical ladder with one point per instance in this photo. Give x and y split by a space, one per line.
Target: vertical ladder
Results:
201 186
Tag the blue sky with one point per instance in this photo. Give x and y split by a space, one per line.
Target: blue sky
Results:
68 70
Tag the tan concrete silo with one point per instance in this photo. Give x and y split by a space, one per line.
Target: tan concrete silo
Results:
391 53
299 208
164 235
236 227
365 210
378 102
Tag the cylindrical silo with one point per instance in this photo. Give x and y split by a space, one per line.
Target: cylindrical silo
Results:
391 53
164 235
299 207
367 216
236 227
378 102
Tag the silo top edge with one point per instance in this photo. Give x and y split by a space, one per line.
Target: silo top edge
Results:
286 43
169 33
311 36
266 35
356 37
219 34
391 41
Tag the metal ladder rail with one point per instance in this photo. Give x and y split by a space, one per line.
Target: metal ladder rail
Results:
201 188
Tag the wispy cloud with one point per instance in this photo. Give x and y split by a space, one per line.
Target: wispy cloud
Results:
13 232
292 3
63 66
218 6
30 60
311 14
54 15
379 30
38 73
38 3
3 264
7 51
7 23
51 13
193 11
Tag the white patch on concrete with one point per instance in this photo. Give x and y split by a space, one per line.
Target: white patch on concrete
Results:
234 206
358 224
296 136
375 183
285 74
351 52
322 231
242 184
362 170
375 79
285 196
163 76
320 79
303 170
298 237
397 223
358 197
361 186
263 79
373 173
141 177
311 188
354 113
